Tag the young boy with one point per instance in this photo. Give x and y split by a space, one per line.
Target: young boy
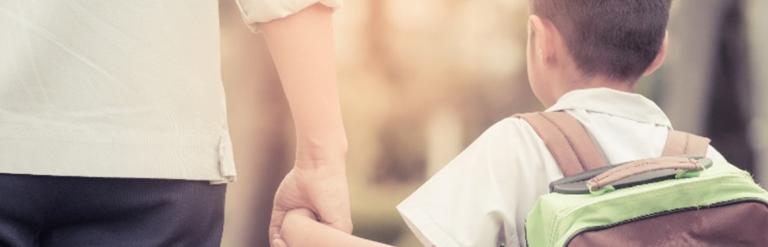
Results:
584 57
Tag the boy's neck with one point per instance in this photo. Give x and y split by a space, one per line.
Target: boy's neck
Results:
599 82
613 84
594 82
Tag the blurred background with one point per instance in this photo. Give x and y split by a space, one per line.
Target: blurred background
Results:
422 79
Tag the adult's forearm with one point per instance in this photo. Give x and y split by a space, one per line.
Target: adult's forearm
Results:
302 49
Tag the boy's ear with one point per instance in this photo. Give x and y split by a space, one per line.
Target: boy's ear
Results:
660 57
541 37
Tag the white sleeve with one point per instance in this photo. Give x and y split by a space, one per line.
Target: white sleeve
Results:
482 197
259 11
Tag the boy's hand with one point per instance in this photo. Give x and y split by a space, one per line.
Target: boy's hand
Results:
320 188
291 224
300 229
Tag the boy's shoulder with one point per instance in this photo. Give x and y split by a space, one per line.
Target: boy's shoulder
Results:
507 159
512 125
512 132
510 146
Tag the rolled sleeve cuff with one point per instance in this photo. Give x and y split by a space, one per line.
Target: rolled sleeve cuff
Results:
424 227
260 11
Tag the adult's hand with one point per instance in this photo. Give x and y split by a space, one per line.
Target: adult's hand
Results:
318 185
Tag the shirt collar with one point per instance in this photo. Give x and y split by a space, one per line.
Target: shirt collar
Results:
613 102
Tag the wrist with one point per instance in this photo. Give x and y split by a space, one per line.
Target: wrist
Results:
321 152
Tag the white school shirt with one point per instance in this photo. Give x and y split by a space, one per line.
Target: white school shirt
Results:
128 88
483 196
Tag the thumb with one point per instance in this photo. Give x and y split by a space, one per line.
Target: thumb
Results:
343 225
342 222
279 243
335 213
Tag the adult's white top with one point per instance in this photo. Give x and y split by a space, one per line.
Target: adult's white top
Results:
118 88
483 196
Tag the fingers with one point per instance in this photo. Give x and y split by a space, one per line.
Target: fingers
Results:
277 242
275 224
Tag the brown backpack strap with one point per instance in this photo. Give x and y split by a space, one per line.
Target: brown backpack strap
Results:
681 143
588 152
567 141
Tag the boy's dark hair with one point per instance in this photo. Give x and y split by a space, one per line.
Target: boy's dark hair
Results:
614 38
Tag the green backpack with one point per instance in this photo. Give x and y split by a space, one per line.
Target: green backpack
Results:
679 199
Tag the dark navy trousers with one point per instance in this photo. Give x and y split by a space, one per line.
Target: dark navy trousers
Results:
78 211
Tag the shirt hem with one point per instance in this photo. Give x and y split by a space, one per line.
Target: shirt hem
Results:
156 159
421 224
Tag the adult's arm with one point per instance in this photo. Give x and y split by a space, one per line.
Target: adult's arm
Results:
302 49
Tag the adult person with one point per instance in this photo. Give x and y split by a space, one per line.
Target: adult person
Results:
113 127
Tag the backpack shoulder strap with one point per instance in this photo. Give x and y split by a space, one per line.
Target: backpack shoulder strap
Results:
682 143
569 143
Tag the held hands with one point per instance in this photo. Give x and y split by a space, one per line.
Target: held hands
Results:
295 225
300 229
317 183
